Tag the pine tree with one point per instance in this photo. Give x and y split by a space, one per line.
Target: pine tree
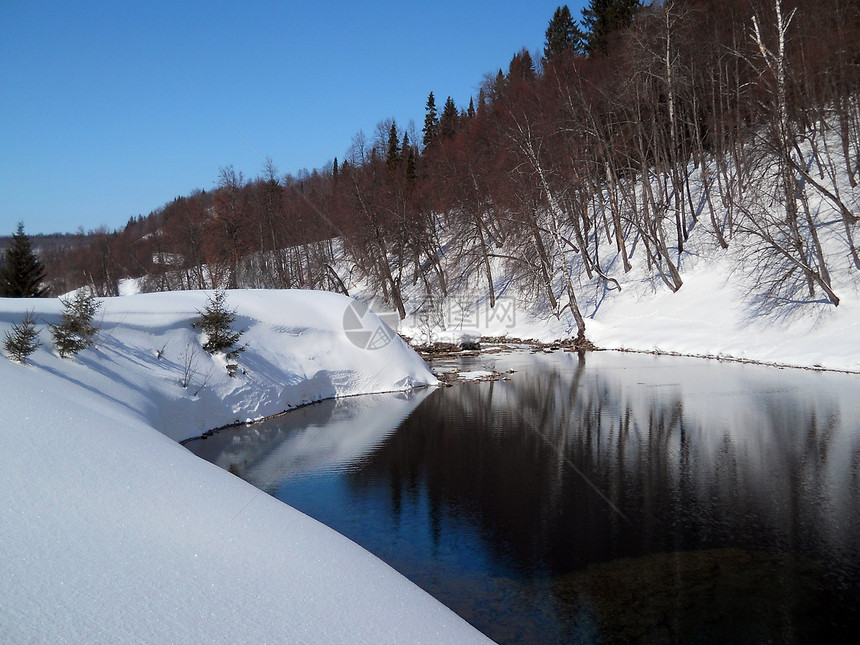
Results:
215 321
562 34
431 121
76 331
22 273
602 17
23 339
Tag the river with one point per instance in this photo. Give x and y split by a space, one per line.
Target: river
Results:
606 497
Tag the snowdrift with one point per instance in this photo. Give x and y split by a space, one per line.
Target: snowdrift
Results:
296 352
112 532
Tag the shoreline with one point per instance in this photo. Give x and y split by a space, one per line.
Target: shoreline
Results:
496 345
531 345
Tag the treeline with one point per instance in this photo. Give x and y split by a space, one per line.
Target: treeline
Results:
634 125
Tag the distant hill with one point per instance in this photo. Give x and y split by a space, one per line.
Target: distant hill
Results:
50 242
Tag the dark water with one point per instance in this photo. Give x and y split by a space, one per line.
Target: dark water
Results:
615 498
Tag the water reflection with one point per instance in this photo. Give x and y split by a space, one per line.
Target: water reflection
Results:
611 497
330 434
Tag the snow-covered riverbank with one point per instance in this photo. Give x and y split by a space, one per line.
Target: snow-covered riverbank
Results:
112 532
710 315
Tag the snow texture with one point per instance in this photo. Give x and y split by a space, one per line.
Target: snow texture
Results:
113 532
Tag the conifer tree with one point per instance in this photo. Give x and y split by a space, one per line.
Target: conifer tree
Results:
215 321
497 86
392 154
602 17
562 34
408 156
22 273
76 330
449 120
522 67
431 121
23 339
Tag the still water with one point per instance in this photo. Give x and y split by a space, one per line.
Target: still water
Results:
605 498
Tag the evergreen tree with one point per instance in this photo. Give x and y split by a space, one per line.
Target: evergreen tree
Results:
23 339
482 100
76 330
602 17
449 121
22 273
522 67
497 86
215 321
334 171
562 34
431 121
471 111
392 154
408 156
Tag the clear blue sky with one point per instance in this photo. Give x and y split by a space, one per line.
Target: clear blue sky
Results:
109 110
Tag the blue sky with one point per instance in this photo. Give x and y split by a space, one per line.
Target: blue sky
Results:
109 110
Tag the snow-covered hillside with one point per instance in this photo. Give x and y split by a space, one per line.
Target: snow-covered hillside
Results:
709 316
112 532
746 301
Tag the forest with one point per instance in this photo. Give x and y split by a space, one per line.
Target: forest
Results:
635 126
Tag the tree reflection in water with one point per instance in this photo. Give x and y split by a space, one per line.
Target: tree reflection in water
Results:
616 497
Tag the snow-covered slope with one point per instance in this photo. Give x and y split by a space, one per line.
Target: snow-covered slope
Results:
297 352
721 309
709 316
112 532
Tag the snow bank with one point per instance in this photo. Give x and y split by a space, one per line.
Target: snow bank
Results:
710 316
297 352
112 532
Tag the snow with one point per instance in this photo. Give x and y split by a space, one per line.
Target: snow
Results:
296 353
713 314
113 532
708 316
474 375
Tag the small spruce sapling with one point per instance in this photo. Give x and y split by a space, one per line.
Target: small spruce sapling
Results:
76 330
23 339
215 321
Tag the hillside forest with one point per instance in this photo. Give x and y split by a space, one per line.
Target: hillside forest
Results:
635 127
